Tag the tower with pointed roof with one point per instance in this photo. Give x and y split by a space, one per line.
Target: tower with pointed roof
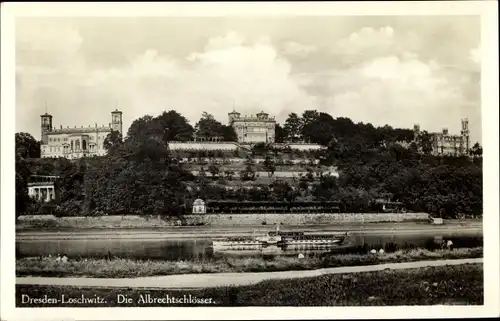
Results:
117 121
46 126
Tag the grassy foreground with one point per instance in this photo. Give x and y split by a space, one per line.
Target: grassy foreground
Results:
122 268
445 285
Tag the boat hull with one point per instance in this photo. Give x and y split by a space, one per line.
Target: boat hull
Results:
236 244
312 242
282 243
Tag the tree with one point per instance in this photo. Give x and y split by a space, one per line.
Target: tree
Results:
344 127
113 141
476 150
202 177
425 142
354 199
279 134
149 149
175 127
148 137
228 134
229 174
71 188
27 146
169 126
22 176
326 189
214 170
282 191
142 128
259 148
208 127
293 128
257 194
319 129
403 135
269 165
121 186
248 174
308 117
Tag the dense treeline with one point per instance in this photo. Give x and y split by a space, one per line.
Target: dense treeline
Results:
321 128
140 175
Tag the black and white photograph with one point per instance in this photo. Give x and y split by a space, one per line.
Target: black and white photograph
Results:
250 155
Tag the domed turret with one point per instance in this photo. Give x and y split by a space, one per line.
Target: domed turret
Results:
262 115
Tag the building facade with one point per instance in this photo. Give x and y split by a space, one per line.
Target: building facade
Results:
253 129
73 143
199 207
43 188
444 143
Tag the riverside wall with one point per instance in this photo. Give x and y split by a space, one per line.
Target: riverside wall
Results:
302 219
131 221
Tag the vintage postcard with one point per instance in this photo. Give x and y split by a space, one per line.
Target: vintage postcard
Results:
249 160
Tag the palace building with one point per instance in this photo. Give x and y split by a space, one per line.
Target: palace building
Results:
444 143
73 143
253 129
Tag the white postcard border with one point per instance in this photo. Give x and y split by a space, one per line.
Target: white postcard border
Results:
488 10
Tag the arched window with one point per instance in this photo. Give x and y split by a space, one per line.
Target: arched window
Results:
72 145
84 144
77 144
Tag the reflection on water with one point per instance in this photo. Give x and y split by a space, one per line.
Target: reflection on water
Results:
201 248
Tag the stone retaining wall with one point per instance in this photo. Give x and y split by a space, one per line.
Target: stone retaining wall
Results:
216 220
302 219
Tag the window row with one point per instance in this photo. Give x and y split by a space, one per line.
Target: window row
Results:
66 149
65 139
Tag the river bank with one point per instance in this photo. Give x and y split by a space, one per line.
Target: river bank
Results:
37 233
436 285
123 268
214 220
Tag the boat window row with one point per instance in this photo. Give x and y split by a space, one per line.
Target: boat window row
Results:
312 237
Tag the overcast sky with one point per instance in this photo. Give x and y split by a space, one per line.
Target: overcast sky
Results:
384 70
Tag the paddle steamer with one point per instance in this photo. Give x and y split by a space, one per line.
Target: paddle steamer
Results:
283 239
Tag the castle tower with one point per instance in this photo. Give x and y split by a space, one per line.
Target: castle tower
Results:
465 136
233 115
117 121
416 131
46 127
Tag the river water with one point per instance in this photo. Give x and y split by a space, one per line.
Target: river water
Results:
193 249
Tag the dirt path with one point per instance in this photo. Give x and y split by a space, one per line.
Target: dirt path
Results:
206 280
